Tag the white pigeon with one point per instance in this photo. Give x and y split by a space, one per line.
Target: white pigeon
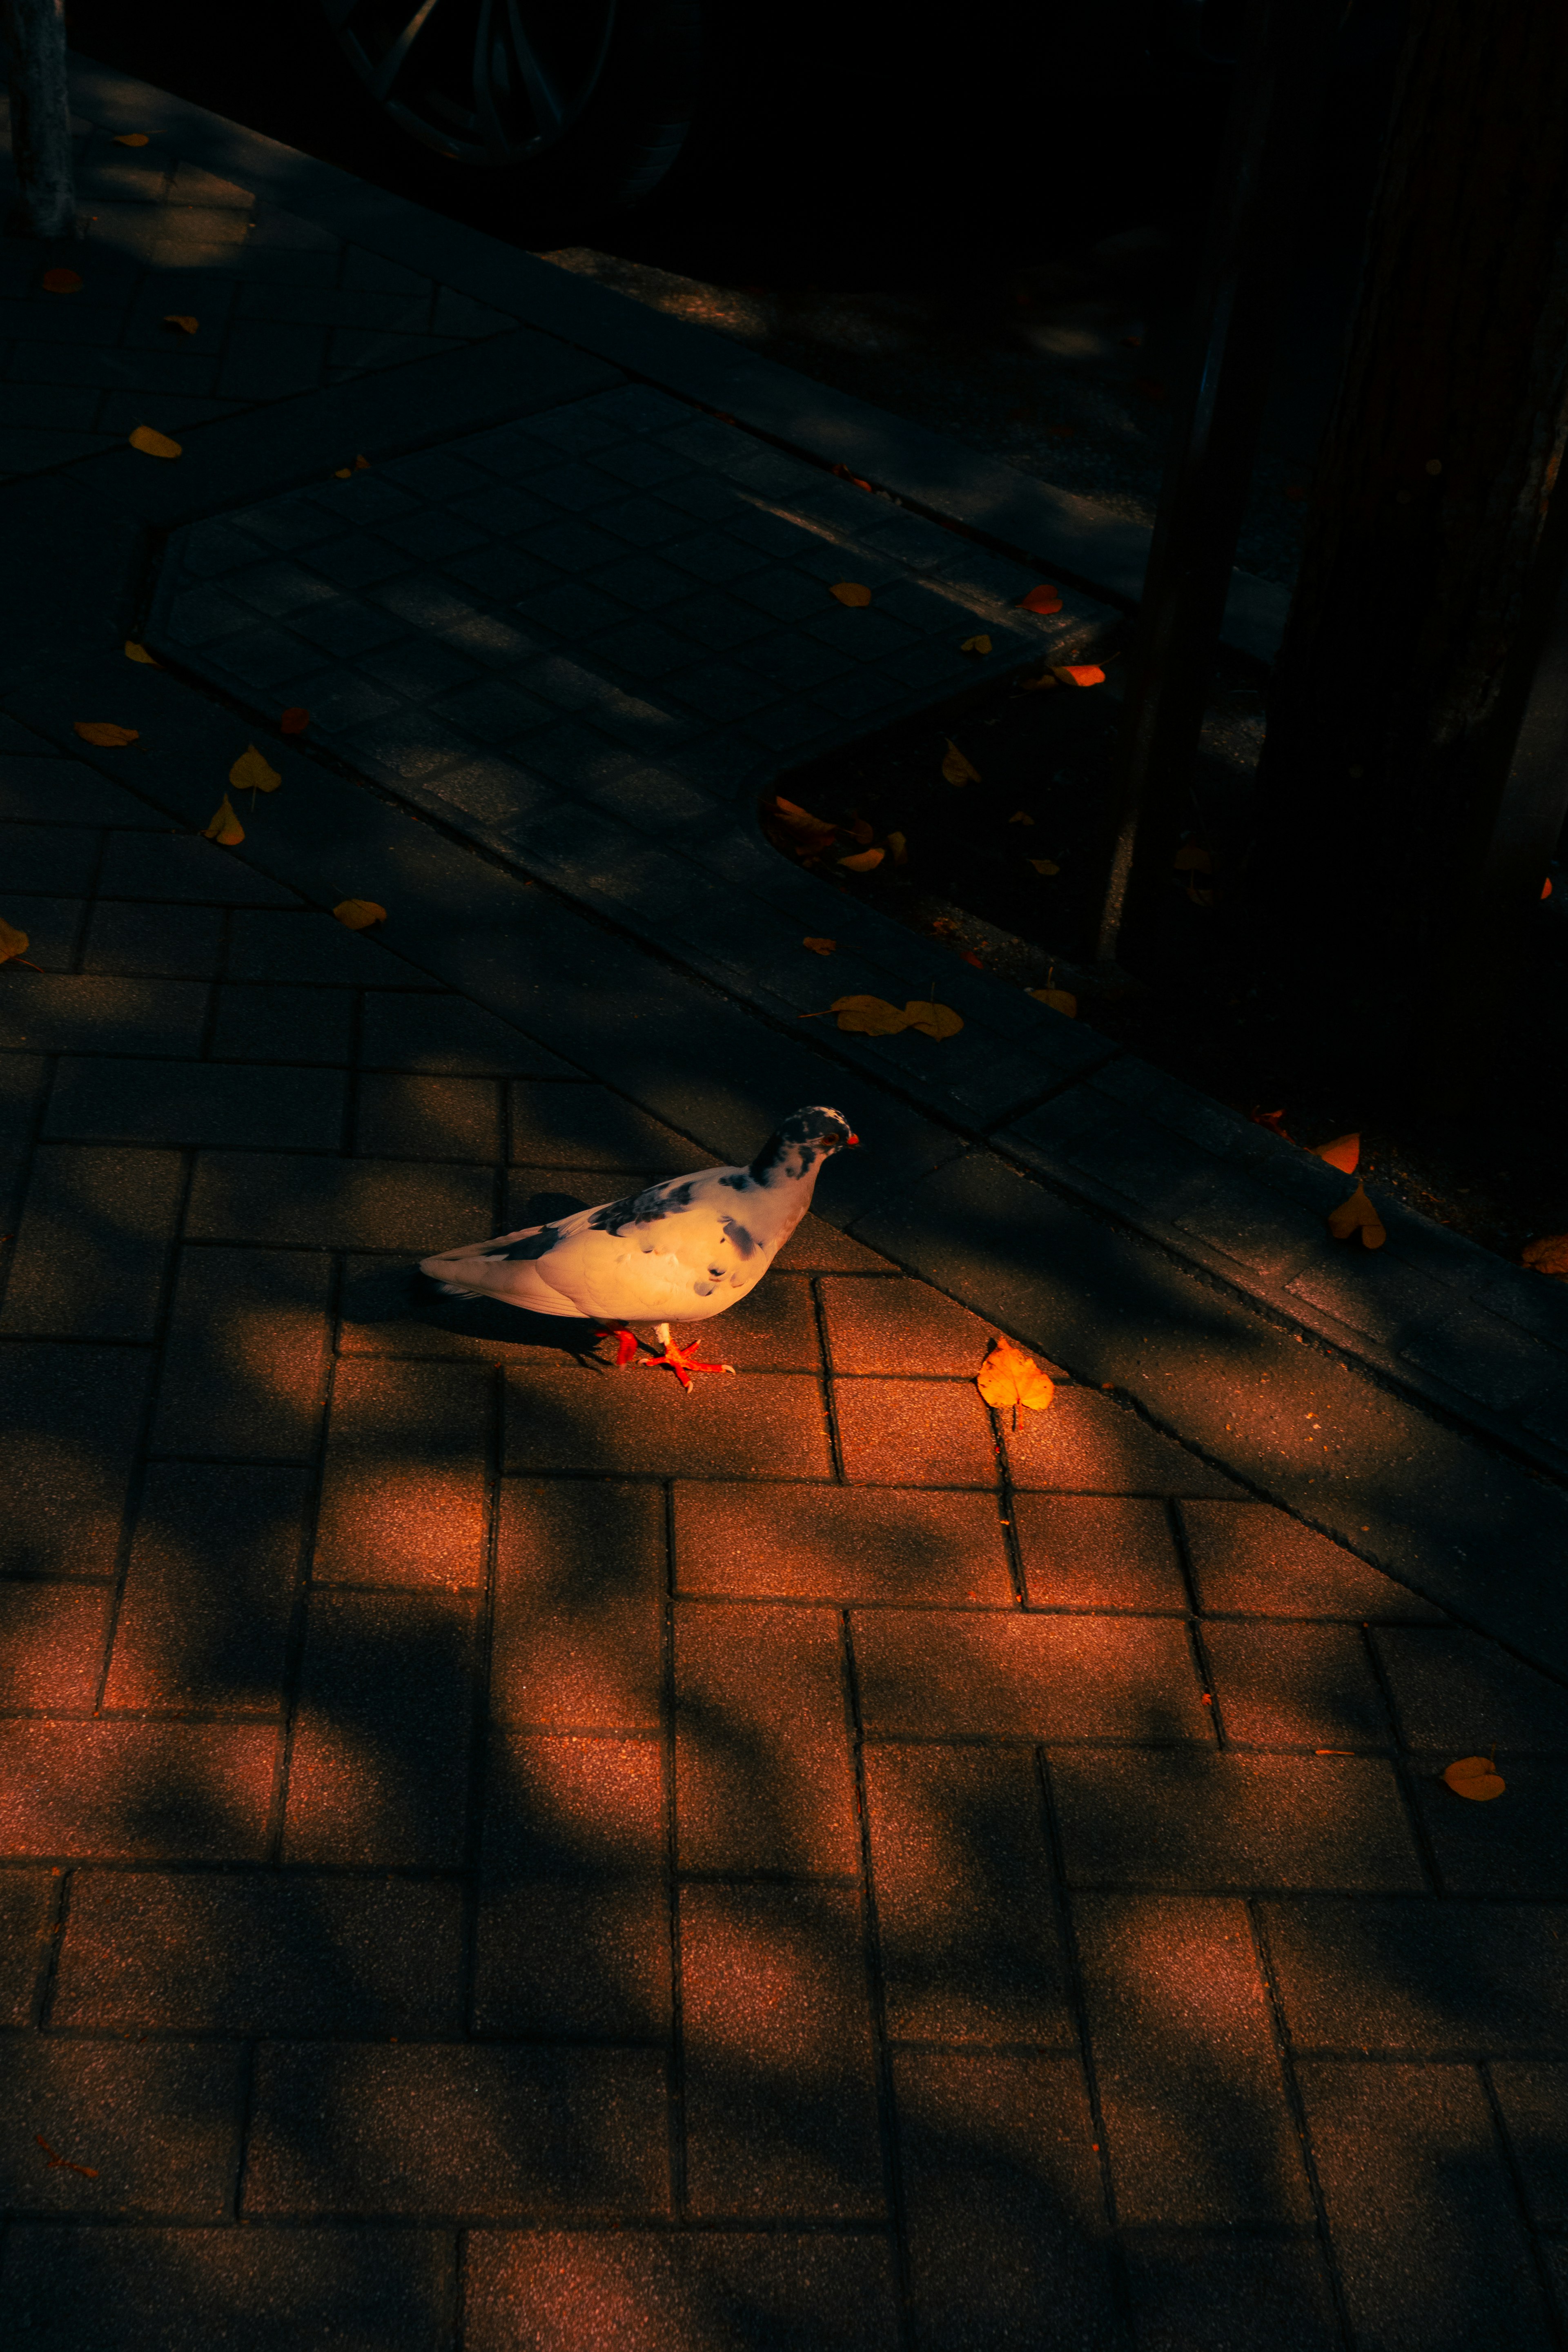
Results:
680 1252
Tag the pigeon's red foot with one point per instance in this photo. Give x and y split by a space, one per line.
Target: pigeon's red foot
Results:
681 1362
625 1342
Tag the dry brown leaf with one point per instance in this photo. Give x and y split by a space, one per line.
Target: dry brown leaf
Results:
1191 859
359 914
1476 1777
1547 1256
797 829
360 466
1358 1215
861 861
13 942
134 652
181 321
294 720
153 445
252 774
1546 887
104 733
60 281
955 767
1008 1377
900 847
1342 1153
1042 599
863 831
850 592
932 1020
1047 683
1273 1119
226 828
975 646
820 947
1020 816
130 139
868 1016
1043 865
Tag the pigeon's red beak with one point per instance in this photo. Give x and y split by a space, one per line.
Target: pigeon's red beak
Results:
853 1144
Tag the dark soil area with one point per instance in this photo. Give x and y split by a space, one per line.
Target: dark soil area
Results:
1190 1001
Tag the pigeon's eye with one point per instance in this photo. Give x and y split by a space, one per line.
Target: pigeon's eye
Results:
715 1272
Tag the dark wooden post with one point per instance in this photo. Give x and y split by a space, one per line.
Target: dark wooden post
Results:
34 32
1415 773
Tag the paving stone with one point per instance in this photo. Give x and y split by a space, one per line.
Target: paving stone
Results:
578 1639
328 1203
387 1309
108 1792
1295 1686
1015 1676
908 1431
69 1419
433 2130
50 927
781 2112
1433 2258
1250 1559
77 1012
448 1035
93 1243
763 1773
403 1493
305 944
1191 2292
1086 1443
156 2129
588 1127
51 1643
793 2290
1008 2243
1179 2028
33 782
360 2290
378 1767
258 1953
1456 1691
1535 2104
1097 1551
1509 1847
27 1902
245 1363
1213 1822
760 1424
53 858
901 1327
174 866
967 1937
425 1118
196 1102
259 1024
215 1566
177 942
839 1543
1429 1978
574 1926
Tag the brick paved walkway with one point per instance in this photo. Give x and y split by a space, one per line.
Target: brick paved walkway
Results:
496 1846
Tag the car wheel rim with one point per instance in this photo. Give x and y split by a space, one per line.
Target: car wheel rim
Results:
492 82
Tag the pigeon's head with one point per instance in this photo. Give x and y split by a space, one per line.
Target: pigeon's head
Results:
805 1138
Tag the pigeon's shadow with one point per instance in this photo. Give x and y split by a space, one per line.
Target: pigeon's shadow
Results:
392 1294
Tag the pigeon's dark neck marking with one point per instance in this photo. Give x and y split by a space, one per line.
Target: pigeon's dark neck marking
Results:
788 1157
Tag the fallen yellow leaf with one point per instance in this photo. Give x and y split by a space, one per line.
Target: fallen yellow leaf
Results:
1342 1153
1060 1000
868 1016
360 466
820 947
1358 1215
104 732
955 767
134 652
251 773
1547 1256
359 914
1043 865
153 445
975 646
1008 1377
863 860
1045 684
130 139
226 828
900 847
1078 674
850 592
1020 816
183 321
932 1019
1476 1777
13 942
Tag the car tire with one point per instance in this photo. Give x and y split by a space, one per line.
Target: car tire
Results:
581 103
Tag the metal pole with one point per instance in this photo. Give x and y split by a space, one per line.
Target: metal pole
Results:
35 34
1224 379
